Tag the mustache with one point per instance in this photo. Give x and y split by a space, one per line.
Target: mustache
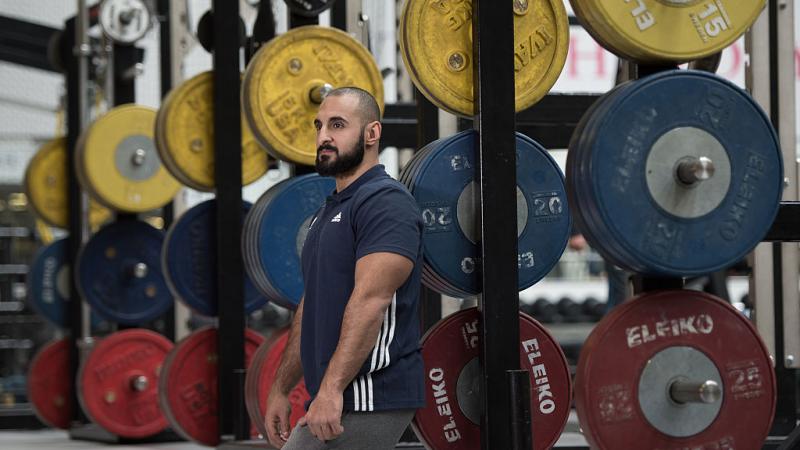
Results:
327 147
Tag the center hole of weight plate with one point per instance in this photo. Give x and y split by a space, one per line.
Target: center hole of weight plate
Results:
680 391
688 172
468 390
465 212
136 158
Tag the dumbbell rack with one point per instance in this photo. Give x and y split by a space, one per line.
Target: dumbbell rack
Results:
125 59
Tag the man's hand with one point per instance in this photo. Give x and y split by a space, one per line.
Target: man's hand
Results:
276 418
324 416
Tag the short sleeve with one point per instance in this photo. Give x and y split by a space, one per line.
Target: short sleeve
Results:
388 220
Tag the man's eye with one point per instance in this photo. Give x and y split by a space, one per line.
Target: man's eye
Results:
337 125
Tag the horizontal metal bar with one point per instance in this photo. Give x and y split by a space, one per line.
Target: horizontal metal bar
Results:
786 227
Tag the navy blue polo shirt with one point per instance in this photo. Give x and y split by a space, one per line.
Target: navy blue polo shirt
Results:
373 214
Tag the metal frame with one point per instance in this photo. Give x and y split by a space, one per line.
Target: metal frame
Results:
495 166
26 43
232 415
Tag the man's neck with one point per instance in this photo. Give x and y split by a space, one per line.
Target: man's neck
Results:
345 180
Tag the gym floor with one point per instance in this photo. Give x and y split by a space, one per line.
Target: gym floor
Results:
58 439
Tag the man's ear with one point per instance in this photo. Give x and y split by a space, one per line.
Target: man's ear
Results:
373 133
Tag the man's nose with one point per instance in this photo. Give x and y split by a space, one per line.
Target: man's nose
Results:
323 137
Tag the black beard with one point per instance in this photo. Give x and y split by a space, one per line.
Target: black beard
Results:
344 163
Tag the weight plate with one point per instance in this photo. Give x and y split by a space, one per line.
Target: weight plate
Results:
309 8
631 165
119 273
436 45
118 383
444 188
672 30
189 259
46 187
119 163
185 136
188 384
49 389
48 283
287 78
124 21
636 357
452 415
278 227
261 377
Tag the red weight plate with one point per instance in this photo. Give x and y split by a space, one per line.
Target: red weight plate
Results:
252 377
49 388
266 376
451 417
633 356
118 383
188 384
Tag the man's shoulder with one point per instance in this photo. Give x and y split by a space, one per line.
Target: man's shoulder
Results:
382 188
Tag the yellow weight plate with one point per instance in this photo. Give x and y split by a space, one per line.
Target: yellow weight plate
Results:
672 30
185 136
119 163
46 187
436 44
282 86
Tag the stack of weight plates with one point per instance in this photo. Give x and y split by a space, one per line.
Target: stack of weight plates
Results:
435 41
189 261
673 30
441 177
677 174
184 135
260 377
119 273
287 78
116 161
46 187
188 384
274 233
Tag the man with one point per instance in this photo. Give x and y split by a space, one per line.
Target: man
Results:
356 331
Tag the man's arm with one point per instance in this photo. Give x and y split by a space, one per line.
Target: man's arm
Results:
287 376
291 370
377 278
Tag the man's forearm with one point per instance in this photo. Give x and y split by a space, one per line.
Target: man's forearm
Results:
361 323
291 370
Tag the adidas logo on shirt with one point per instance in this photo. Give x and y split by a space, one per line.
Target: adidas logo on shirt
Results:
337 217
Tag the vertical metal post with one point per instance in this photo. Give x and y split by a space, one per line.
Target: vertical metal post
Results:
165 54
339 15
296 20
493 49
228 179
75 116
786 409
519 394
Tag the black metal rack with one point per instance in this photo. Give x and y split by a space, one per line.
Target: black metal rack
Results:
125 60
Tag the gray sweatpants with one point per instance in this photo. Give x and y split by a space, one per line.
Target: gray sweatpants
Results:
379 430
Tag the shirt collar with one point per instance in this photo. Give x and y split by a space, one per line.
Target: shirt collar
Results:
370 174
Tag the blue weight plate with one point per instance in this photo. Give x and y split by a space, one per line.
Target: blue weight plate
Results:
443 186
578 179
250 246
189 258
407 177
48 283
281 232
119 273
658 225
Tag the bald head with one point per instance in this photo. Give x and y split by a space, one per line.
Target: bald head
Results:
368 108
